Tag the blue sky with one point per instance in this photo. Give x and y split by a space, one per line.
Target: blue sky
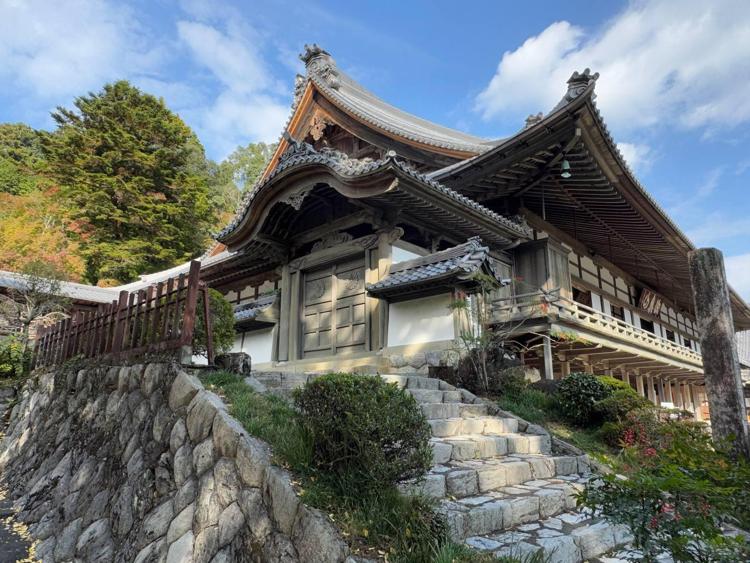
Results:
674 86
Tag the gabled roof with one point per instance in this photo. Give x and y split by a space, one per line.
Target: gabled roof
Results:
259 312
387 181
352 98
435 272
71 290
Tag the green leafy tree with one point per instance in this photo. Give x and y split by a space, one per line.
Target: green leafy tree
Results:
21 159
128 171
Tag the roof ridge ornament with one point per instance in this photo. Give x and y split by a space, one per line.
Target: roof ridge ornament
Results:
578 82
533 119
320 62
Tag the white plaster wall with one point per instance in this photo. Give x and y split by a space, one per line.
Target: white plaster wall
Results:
402 255
596 302
258 344
420 320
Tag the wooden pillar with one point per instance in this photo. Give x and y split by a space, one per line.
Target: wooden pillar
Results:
719 349
669 395
677 395
651 390
549 372
639 385
687 402
662 393
697 410
283 332
565 368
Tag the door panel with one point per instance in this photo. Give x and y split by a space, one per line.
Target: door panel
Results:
334 309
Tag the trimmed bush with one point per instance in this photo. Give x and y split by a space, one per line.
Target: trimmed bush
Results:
366 433
578 395
614 384
619 404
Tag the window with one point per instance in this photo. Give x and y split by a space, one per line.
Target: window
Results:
670 335
582 296
647 325
618 312
688 343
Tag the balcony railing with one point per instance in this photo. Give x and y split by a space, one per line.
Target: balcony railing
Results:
557 308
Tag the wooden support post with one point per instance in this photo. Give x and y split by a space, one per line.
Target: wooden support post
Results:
639 385
549 372
208 325
676 395
668 388
662 392
719 349
565 368
697 410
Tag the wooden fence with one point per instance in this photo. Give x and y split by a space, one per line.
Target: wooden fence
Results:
160 318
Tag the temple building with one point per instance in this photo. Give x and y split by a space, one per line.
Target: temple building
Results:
369 223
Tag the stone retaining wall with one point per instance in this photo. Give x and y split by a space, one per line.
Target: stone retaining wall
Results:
141 463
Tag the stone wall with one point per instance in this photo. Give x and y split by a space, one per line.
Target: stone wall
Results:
141 463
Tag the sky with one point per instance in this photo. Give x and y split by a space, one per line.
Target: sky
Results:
674 84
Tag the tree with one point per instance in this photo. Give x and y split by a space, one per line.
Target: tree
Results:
127 169
21 159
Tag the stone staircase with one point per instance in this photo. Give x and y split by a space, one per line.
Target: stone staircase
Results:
498 483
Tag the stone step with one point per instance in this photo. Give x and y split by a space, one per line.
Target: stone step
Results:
463 447
570 537
459 479
452 410
446 427
435 396
510 506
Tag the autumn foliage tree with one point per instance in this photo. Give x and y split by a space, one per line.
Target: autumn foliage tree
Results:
129 173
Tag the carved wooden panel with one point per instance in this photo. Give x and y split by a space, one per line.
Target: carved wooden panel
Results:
333 319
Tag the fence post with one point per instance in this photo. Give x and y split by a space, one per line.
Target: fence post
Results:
188 320
120 321
208 326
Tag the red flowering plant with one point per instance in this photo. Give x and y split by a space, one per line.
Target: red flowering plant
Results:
678 495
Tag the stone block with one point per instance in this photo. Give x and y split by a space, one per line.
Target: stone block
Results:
472 410
524 509
487 518
231 521
472 425
594 540
442 427
551 502
206 544
440 410
462 483
155 551
462 449
281 498
253 457
317 540
226 434
426 395
542 467
154 377
177 436
181 551
491 477
203 456
251 504
432 486
183 464
156 523
95 543
184 388
65 546
201 413
181 524
226 481
517 472
186 494
420 382
517 443
560 549
566 465
441 452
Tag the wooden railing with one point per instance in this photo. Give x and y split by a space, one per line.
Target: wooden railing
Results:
552 305
160 318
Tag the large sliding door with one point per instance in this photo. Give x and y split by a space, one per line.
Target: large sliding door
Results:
333 317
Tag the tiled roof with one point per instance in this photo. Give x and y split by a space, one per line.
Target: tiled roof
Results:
71 290
250 311
300 154
350 96
457 264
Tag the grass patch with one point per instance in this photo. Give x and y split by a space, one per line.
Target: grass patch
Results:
541 408
384 525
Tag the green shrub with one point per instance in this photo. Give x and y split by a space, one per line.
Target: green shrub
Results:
222 324
612 433
578 395
614 384
365 432
621 402
14 360
548 386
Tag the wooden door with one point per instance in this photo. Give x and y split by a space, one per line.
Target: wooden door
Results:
334 309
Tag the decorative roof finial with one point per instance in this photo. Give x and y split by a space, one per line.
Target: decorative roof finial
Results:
578 82
533 120
320 62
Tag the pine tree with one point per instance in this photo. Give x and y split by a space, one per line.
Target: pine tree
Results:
129 174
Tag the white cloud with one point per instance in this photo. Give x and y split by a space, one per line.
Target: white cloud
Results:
717 227
738 274
55 49
638 156
251 104
659 61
